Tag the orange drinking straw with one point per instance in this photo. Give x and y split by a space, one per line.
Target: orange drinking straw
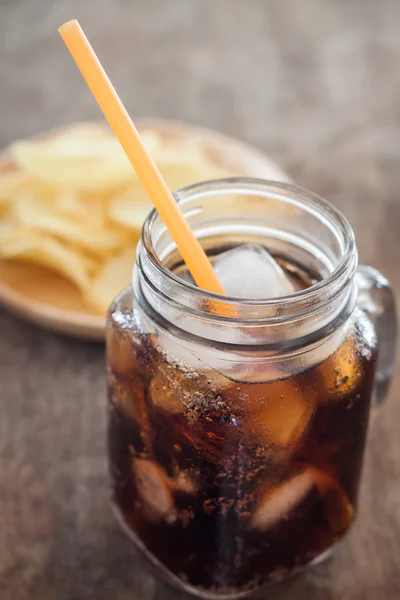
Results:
148 173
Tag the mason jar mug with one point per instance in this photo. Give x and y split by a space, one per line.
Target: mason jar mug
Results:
237 425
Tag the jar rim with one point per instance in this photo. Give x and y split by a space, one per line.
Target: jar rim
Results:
333 284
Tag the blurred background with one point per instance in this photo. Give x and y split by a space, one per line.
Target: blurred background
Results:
316 85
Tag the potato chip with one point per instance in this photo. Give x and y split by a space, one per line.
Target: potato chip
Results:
28 246
94 163
38 215
89 165
9 232
131 208
112 277
152 142
85 131
83 207
97 207
13 182
180 173
99 131
188 151
70 204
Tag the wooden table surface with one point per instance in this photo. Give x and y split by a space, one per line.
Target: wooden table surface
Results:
316 84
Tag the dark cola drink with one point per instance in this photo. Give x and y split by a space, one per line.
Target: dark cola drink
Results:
231 482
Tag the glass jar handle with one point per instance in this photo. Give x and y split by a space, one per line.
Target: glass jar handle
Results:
376 298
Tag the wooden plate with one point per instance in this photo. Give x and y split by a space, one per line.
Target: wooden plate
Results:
46 299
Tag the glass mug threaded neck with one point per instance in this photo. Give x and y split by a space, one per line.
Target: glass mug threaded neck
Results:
292 223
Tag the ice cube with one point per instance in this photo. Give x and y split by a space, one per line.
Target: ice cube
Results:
203 420
279 502
285 413
176 350
164 394
122 351
275 413
154 491
249 271
127 393
342 372
338 507
175 387
183 481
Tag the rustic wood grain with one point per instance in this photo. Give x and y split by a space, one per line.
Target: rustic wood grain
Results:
316 84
